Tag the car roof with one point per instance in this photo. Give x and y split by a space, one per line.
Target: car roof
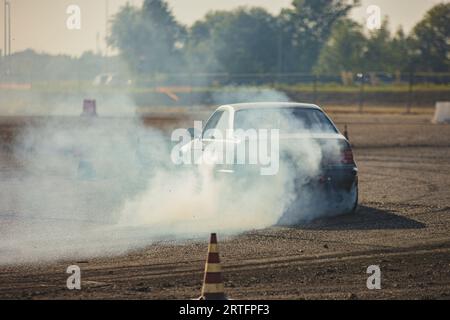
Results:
269 105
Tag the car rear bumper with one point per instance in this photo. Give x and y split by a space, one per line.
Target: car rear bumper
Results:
342 178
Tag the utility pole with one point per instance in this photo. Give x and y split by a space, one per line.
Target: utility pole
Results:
279 56
7 35
9 28
106 25
410 92
5 26
361 92
97 43
7 31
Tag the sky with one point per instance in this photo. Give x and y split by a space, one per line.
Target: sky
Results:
41 24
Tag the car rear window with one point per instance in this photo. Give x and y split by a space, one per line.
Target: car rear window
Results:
288 120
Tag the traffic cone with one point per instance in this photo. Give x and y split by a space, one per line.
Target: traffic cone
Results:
213 288
89 108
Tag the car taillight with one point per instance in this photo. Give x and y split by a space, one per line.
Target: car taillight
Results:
347 156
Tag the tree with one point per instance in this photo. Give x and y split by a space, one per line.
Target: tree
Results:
240 41
201 48
305 28
378 51
400 52
345 49
149 39
430 40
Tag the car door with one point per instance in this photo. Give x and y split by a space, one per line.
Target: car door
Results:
214 134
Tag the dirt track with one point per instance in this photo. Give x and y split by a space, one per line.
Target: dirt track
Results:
402 225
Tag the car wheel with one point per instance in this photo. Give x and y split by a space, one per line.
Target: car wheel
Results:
354 207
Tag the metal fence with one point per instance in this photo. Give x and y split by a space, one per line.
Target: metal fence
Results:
190 89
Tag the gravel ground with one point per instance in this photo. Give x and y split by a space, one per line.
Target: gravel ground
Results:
402 225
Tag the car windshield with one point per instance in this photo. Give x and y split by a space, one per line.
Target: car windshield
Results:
287 120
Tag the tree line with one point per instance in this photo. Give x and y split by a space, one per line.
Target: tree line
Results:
311 36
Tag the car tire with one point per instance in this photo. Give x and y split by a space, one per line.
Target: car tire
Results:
356 201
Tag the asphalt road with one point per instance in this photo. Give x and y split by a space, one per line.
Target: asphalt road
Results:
402 225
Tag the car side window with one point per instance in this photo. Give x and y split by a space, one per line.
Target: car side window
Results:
319 122
212 123
223 123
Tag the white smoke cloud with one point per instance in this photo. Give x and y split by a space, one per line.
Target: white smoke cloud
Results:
94 187
233 94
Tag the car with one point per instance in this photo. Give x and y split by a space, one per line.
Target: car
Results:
313 152
111 80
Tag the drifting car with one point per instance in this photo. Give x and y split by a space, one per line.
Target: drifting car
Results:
318 157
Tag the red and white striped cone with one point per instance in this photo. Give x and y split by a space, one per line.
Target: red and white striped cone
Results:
213 288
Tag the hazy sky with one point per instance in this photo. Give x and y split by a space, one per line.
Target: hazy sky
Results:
41 24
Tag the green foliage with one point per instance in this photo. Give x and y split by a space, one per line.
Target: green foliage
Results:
150 39
201 50
400 52
309 36
348 49
30 66
430 40
239 41
306 27
344 50
245 40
